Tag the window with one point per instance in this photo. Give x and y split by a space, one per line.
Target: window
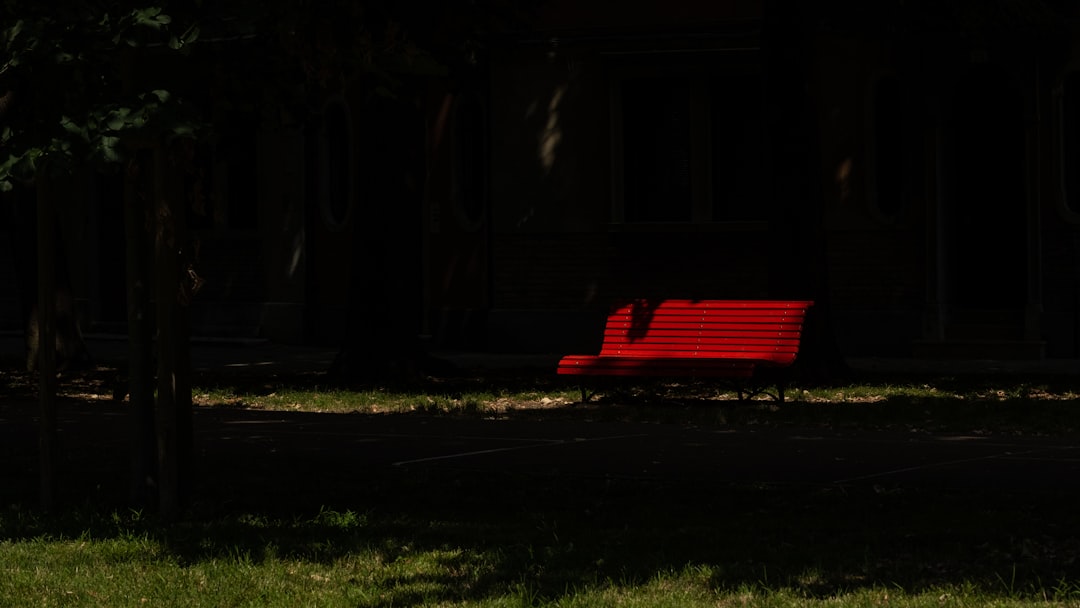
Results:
656 150
689 149
738 150
470 161
896 158
336 165
242 177
221 179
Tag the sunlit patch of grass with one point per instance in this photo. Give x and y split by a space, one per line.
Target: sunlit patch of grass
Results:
380 401
871 393
982 405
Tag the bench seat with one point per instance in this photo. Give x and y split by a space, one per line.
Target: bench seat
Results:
695 338
595 365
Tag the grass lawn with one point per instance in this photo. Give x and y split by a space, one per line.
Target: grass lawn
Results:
417 537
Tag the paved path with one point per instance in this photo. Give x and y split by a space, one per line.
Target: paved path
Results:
346 449
665 452
352 445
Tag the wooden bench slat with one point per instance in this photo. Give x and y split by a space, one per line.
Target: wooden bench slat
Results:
644 321
702 353
645 366
719 316
680 333
706 308
706 345
763 342
698 354
772 360
697 329
697 320
716 304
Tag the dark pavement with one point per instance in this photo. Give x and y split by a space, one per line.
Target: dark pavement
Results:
355 445
665 451
340 453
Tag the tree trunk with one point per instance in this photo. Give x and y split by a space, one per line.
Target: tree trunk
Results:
140 337
46 347
69 349
173 410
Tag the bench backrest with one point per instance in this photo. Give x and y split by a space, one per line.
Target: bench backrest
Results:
766 330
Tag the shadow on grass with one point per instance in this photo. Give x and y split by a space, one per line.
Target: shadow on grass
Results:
483 535
262 496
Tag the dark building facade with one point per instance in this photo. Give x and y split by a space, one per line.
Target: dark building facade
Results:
657 157
913 167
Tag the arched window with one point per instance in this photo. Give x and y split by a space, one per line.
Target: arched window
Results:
891 149
470 160
336 171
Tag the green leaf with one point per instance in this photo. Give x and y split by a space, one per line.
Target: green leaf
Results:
26 164
19 166
69 125
151 17
191 35
109 151
183 130
11 33
118 119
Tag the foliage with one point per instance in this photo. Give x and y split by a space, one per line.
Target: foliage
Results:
80 81
66 80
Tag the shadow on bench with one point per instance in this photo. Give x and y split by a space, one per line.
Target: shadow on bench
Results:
727 339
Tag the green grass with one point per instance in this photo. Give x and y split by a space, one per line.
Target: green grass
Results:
751 547
972 404
420 538
376 401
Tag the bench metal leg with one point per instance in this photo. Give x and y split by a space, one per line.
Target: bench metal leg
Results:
585 394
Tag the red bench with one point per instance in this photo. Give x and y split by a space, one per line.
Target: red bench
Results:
729 339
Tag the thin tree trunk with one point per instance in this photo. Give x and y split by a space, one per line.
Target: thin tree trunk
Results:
140 371
165 290
46 335
173 410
